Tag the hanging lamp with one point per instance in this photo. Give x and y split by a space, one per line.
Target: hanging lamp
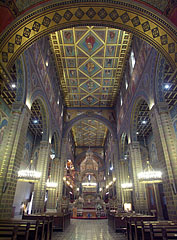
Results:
127 186
29 174
149 175
51 185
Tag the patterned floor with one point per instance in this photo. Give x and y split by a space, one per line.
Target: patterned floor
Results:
88 230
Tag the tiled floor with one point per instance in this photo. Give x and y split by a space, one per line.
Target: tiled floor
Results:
88 230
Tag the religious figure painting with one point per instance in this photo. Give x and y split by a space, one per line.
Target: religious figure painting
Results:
90 67
68 36
110 51
107 73
71 63
90 43
109 63
175 127
3 126
72 73
112 36
69 51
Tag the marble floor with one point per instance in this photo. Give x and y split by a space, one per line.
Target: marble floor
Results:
88 230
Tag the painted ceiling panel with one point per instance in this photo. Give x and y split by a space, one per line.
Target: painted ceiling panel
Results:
90 63
89 133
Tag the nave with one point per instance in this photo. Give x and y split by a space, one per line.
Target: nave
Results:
88 230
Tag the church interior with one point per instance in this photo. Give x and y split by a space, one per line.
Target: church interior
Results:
88 119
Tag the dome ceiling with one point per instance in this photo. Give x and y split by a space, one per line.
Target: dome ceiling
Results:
90 63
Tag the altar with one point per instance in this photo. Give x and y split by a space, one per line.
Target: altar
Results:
89 213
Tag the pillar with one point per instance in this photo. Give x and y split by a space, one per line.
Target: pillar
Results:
139 190
61 172
11 156
117 166
126 195
40 186
52 193
166 145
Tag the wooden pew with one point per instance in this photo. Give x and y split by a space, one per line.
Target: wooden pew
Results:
27 230
61 221
163 232
132 226
47 223
118 221
143 230
22 230
9 233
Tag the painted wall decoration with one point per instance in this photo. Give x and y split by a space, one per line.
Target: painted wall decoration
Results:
137 74
3 126
27 152
173 114
152 150
40 72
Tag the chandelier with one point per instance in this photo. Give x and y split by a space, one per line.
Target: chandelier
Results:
28 175
149 175
51 185
127 186
89 184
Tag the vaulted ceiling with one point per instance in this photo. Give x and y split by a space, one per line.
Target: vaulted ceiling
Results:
89 133
90 63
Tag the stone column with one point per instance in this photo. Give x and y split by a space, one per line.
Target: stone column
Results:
166 145
125 179
139 190
117 166
40 186
11 156
61 172
52 193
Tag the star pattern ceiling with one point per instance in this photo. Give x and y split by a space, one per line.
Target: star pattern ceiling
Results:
89 133
90 63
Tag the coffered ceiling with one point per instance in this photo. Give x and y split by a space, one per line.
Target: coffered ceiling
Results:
90 63
89 133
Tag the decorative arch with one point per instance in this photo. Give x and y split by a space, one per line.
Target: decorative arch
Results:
122 144
21 80
56 143
94 173
80 158
52 16
44 113
90 115
134 116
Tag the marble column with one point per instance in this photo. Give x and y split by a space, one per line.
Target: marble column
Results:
11 155
52 193
166 146
40 186
139 190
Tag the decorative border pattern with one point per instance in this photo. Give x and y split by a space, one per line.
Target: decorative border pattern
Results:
52 17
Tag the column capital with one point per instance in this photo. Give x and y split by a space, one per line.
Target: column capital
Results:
134 144
19 107
45 144
161 107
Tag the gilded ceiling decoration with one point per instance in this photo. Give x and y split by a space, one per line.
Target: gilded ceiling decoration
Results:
89 133
91 64
40 22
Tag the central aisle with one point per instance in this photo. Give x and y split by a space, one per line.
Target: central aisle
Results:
88 230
